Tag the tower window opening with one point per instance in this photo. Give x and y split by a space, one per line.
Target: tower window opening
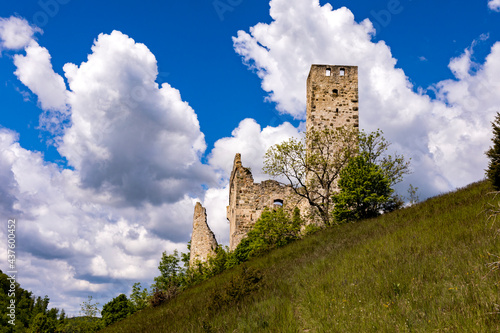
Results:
328 72
278 202
335 92
342 72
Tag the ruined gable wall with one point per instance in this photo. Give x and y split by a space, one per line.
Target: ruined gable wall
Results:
247 200
203 242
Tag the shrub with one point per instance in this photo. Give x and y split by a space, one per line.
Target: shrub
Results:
161 296
240 286
273 229
117 309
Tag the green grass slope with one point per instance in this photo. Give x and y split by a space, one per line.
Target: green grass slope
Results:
420 269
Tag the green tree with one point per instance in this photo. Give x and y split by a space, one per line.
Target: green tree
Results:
43 323
186 256
493 171
373 146
172 273
365 184
117 309
312 165
89 310
364 191
139 297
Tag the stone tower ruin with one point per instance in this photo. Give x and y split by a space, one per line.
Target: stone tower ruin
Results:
332 102
332 97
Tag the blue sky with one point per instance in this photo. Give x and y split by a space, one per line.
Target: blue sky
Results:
117 116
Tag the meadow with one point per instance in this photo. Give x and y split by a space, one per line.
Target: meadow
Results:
419 269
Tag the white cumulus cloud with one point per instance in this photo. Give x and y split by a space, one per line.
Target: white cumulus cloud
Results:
16 33
129 136
35 71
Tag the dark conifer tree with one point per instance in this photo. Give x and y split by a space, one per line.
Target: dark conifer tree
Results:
493 171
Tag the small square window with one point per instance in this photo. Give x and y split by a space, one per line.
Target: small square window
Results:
328 72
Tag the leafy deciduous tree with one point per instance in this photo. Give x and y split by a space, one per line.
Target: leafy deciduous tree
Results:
89 310
171 272
139 297
312 166
374 147
117 309
366 182
364 191
273 229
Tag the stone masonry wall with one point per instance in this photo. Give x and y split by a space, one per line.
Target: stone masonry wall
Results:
247 200
203 242
332 97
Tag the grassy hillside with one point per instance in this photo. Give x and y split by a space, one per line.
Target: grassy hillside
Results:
420 269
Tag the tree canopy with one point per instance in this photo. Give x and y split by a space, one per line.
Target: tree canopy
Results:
339 167
117 309
365 184
312 165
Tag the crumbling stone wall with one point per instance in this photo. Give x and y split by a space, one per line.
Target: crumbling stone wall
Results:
247 200
203 242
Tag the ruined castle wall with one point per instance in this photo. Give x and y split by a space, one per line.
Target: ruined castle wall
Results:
247 200
332 102
332 97
203 242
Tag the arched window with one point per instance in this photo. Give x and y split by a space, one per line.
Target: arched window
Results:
328 72
342 72
335 92
278 202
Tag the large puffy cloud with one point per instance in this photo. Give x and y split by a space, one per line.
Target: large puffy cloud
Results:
127 135
35 71
135 150
445 137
